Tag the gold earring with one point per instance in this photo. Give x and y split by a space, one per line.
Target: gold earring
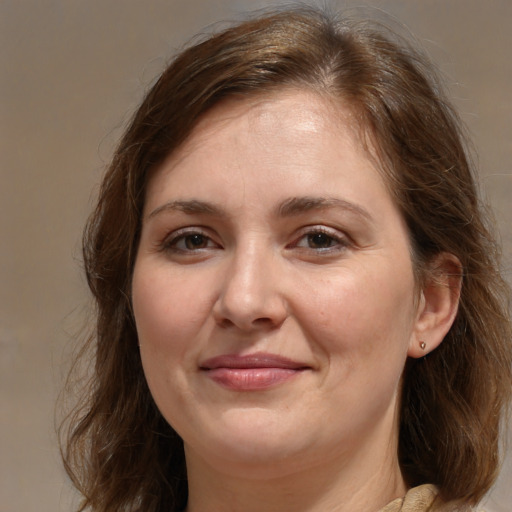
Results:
423 345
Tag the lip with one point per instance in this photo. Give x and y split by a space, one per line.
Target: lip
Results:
251 372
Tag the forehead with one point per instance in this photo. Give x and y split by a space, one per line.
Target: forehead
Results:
288 143
288 115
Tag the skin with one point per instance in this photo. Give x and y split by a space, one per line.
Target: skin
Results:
271 231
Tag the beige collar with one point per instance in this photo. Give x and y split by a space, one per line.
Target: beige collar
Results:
423 498
418 499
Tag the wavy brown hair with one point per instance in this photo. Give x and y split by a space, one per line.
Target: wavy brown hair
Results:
118 449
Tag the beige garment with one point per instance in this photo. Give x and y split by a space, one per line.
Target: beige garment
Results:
423 499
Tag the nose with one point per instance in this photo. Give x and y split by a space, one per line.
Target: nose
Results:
251 295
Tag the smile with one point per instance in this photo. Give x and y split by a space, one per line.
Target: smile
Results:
251 372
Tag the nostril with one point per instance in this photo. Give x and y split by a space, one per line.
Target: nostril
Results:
226 323
262 321
258 323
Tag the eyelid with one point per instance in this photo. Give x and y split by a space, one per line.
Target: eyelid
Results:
343 239
168 243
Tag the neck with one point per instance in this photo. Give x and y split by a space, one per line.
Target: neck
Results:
362 482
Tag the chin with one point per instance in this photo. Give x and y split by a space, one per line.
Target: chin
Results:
251 440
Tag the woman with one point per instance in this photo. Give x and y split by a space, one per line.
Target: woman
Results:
298 300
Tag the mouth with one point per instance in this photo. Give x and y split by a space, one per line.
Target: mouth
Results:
251 372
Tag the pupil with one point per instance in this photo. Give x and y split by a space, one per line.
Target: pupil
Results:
320 240
194 241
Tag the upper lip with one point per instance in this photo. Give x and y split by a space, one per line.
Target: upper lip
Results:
257 360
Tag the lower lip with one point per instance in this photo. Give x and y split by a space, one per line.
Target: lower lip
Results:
251 379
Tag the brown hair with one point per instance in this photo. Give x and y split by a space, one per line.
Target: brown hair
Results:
120 452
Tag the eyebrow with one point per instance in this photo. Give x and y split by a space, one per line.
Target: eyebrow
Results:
190 207
288 208
298 205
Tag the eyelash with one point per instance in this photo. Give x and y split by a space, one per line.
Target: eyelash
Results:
171 243
338 242
334 240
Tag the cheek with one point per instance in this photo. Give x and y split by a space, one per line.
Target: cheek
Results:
167 307
169 317
368 310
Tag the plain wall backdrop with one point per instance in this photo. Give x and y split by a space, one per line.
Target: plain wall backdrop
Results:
71 73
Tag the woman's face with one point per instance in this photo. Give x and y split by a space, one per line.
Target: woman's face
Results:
273 288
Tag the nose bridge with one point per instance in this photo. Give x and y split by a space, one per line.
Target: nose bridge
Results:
250 294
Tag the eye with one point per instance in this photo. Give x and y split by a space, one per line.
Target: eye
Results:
189 241
319 241
322 239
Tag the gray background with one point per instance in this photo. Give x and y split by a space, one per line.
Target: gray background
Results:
70 72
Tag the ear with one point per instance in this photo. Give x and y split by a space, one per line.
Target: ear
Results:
438 304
